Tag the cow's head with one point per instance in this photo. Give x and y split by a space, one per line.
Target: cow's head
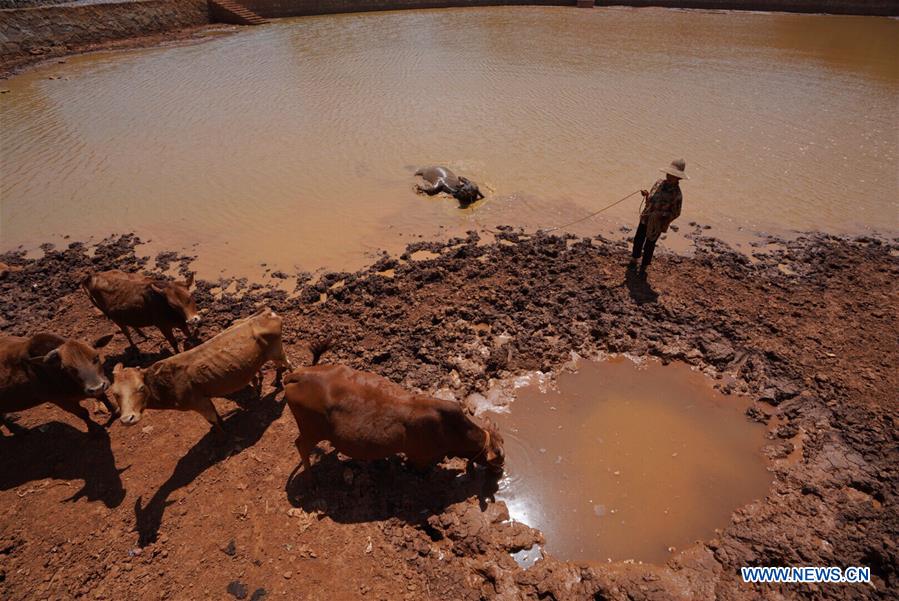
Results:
80 362
130 392
467 192
178 297
494 456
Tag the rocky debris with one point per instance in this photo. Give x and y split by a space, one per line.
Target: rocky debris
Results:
230 549
717 353
473 531
237 589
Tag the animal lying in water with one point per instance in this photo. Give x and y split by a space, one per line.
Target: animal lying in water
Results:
49 368
136 301
441 179
220 366
368 417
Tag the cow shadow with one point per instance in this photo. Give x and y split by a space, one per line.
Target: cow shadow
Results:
349 491
62 452
245 427
639 288
135 358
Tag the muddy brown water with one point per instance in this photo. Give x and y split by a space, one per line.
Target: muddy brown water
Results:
629 462
294 143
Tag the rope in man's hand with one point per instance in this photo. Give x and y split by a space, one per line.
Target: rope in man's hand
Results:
564 225
593 214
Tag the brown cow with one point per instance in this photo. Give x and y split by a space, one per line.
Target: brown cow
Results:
369 417
133 300
46 368
220 366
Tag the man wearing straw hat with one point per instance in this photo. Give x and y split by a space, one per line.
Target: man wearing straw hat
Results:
663 204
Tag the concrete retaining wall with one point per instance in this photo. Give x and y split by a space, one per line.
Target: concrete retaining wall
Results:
294 8
53 30
834 7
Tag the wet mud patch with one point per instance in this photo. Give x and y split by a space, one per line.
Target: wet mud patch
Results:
621 461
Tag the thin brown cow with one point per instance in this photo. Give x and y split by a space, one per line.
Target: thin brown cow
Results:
46 368
220 366
369 417
136 301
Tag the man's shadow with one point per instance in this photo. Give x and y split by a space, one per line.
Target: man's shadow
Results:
351 492
63 452
245 426
639 287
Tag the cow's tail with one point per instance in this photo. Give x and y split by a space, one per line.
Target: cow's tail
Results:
319 348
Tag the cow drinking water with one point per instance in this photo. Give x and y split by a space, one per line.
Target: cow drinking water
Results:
136 301
368 417
220 366
46 368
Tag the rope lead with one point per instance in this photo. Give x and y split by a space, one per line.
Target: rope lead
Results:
558 227
593 214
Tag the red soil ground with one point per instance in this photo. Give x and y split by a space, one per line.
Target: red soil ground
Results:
161 511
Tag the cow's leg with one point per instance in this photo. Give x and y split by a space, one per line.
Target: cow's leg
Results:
187 335
111 405
257 384
81 413
305 448
282 363
429 188
167 332
141 332
305 445
204 407
127 334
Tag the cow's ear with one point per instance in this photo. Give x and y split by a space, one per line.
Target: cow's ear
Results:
118 368
102 341
157 288
189 281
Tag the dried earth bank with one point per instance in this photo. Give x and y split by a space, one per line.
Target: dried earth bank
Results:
161 511
35 32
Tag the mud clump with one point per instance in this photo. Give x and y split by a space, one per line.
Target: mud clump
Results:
807 330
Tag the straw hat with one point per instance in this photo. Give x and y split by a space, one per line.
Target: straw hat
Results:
676 168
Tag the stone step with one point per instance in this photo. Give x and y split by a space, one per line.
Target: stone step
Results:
229 11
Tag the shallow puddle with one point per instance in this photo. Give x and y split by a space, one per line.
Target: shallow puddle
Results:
627 462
